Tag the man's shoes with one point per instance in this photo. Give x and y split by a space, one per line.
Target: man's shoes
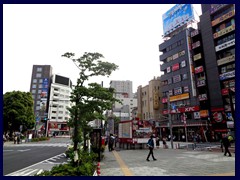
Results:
224 154
147 159
230 155
154 159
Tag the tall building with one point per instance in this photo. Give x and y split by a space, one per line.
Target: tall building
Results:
59 101
179 90
123 92
39 87
123 88
217 25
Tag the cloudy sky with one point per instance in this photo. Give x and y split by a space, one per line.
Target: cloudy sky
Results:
127 35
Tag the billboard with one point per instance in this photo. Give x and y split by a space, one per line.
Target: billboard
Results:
44 95
176 17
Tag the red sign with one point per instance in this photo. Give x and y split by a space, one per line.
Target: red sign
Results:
183 110
225 91
164 100
175 67
198 69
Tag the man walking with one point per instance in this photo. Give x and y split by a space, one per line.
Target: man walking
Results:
151 146
226 144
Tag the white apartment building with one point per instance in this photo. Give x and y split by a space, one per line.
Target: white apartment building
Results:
59 101
123 88
123 92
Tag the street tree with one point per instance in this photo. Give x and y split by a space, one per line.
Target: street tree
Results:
17 111
90 100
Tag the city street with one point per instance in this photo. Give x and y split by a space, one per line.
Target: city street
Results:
30 158
170 162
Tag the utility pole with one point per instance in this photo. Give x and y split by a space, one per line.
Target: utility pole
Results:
170 121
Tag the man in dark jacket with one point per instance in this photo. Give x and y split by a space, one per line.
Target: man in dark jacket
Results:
151 146
226 144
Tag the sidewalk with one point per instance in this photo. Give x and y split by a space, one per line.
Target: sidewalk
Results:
170 162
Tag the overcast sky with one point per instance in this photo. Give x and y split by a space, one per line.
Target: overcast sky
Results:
127 35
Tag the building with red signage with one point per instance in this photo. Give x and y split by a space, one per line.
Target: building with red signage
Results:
199 74
217 26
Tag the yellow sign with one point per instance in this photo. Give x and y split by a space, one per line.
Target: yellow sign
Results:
224 31
197 56
204 113
223 18
179 97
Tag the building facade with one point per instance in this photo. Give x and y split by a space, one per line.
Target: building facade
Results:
149 98
40 87
217 25
59 101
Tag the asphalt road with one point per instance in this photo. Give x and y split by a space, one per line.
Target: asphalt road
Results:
17 157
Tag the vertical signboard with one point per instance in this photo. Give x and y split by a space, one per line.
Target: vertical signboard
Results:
44 95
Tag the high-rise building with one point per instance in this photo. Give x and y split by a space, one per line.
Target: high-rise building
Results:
123 92
39 87
59 101
122 88
217 25
179 90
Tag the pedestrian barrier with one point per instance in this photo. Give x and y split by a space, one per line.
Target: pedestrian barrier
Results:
98 169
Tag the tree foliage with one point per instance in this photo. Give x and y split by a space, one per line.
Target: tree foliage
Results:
90 100
18 110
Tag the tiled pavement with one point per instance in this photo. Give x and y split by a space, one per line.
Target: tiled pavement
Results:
170 162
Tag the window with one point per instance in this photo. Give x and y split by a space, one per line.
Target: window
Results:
34 80
38 102
170 81
37 108
33 91
34 86
39 69
38 75
176 78
40 80
33 96
185 89
39 91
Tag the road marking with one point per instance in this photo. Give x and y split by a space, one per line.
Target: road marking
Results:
24 150
27 168
126 171
39 172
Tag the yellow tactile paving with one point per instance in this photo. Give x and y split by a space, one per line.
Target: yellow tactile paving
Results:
126 171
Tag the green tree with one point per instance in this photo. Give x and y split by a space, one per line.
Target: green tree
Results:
18 110
90 101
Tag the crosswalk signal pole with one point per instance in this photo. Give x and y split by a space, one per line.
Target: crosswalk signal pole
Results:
170 121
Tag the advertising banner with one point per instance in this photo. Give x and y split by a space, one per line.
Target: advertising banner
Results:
176 17
227 75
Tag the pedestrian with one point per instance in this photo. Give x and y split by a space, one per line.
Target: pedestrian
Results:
111 142
164 143
157 142
226 143
151 146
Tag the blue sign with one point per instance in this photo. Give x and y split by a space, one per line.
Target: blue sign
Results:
37 118
176 17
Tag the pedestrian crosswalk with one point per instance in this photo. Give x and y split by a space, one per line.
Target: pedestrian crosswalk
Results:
41 166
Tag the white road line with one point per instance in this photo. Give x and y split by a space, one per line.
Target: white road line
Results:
31 166
39 172
24 150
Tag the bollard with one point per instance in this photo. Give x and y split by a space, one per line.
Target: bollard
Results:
98 169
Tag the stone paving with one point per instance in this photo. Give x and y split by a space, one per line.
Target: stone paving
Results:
170 162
